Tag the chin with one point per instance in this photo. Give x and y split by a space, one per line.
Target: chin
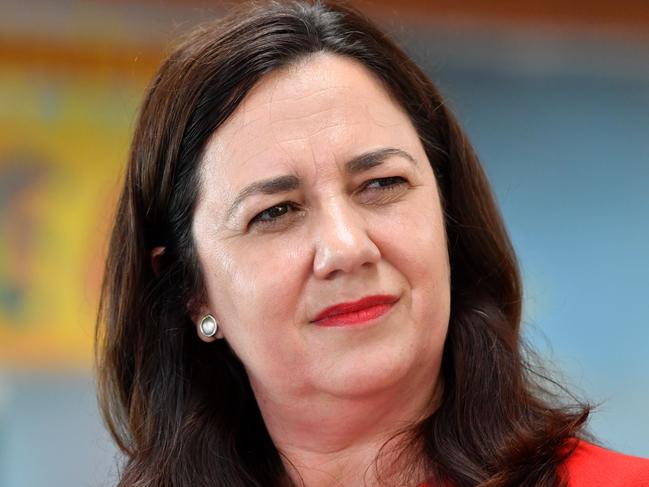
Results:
369 373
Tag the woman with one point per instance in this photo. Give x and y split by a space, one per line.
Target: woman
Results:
309 282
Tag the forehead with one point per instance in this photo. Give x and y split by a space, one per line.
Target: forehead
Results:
323 110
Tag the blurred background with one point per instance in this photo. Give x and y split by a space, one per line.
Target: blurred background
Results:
554 95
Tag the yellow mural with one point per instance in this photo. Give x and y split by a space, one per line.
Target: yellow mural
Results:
64 136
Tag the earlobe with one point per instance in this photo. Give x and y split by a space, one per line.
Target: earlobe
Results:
208 328
207 325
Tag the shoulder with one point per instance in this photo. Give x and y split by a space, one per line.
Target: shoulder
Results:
590 465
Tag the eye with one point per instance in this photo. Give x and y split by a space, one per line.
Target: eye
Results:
274 214
385 183
381 191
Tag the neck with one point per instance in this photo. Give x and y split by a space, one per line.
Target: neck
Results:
349 442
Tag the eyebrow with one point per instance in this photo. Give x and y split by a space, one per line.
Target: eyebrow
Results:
283 184
280 184
374 158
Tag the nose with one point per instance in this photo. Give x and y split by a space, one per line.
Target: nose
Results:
342 242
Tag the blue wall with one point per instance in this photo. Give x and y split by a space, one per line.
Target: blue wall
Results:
568 157
51 434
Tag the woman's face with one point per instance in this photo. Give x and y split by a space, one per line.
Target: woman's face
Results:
317 192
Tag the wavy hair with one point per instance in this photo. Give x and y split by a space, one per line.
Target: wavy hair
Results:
182 411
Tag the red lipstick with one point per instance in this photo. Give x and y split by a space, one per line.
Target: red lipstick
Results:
356 312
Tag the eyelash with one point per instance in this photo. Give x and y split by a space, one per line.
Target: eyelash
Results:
288 205
399 180
258 219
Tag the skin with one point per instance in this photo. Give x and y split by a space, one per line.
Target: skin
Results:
330 396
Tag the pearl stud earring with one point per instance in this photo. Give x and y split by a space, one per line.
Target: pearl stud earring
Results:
208 326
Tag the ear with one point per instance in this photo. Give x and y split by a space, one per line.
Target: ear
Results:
156 259
197 312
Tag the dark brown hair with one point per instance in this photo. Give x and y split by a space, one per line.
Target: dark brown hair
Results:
183 411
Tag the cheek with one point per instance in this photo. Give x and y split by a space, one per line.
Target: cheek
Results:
257 300
419 254
417 239
431 247
255 287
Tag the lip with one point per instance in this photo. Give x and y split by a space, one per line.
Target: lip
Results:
356 312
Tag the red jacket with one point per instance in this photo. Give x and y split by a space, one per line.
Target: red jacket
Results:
593 466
